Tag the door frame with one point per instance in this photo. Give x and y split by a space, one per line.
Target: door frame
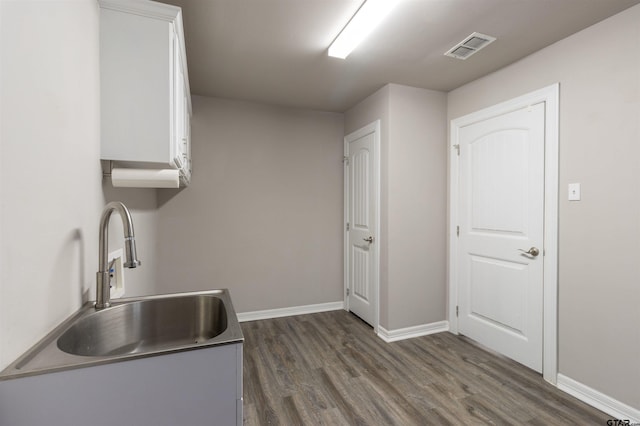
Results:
375 248
550 96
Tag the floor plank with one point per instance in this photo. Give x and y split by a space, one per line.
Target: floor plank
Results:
330 369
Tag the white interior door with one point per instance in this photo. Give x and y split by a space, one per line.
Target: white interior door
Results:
361 201
501 232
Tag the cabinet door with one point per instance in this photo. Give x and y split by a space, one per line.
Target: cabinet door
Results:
196 387
187 137
181 117
178 109
136 65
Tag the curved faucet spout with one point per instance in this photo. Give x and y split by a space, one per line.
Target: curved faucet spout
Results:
103 289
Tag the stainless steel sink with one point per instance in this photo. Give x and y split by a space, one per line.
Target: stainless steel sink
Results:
133 328
147 325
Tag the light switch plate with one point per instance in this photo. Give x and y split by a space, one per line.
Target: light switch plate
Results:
574 192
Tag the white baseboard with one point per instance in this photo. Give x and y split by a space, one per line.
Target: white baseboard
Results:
410 332
598 400
287 312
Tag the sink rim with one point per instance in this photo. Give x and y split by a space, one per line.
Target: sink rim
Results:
46 357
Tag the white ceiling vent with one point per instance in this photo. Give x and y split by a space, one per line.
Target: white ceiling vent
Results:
469 46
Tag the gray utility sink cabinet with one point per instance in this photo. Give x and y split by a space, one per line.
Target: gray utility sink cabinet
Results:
196 387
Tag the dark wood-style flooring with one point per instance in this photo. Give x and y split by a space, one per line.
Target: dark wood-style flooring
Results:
331 369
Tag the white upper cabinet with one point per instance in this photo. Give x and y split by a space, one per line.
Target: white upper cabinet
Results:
145 96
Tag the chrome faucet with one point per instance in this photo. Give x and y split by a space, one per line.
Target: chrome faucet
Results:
103 288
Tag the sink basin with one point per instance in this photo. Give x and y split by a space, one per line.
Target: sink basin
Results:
147 325
133 328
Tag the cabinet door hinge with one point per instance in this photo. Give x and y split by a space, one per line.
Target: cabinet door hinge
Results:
457 311
348 226
345 160
457 148
458 231
348 292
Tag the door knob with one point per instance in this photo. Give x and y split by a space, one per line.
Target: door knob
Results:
369 240
533 251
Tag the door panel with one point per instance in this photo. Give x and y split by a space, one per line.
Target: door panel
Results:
360 272
503 186
502 215
497 293
361 199
360 175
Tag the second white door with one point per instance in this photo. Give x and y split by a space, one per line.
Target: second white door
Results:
501 231
361 198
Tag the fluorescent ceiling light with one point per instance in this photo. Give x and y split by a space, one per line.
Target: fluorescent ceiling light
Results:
361 25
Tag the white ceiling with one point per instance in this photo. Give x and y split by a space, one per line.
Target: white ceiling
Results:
275 51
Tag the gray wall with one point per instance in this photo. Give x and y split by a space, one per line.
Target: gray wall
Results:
263 216
413 201
50 177
417 206
599 74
